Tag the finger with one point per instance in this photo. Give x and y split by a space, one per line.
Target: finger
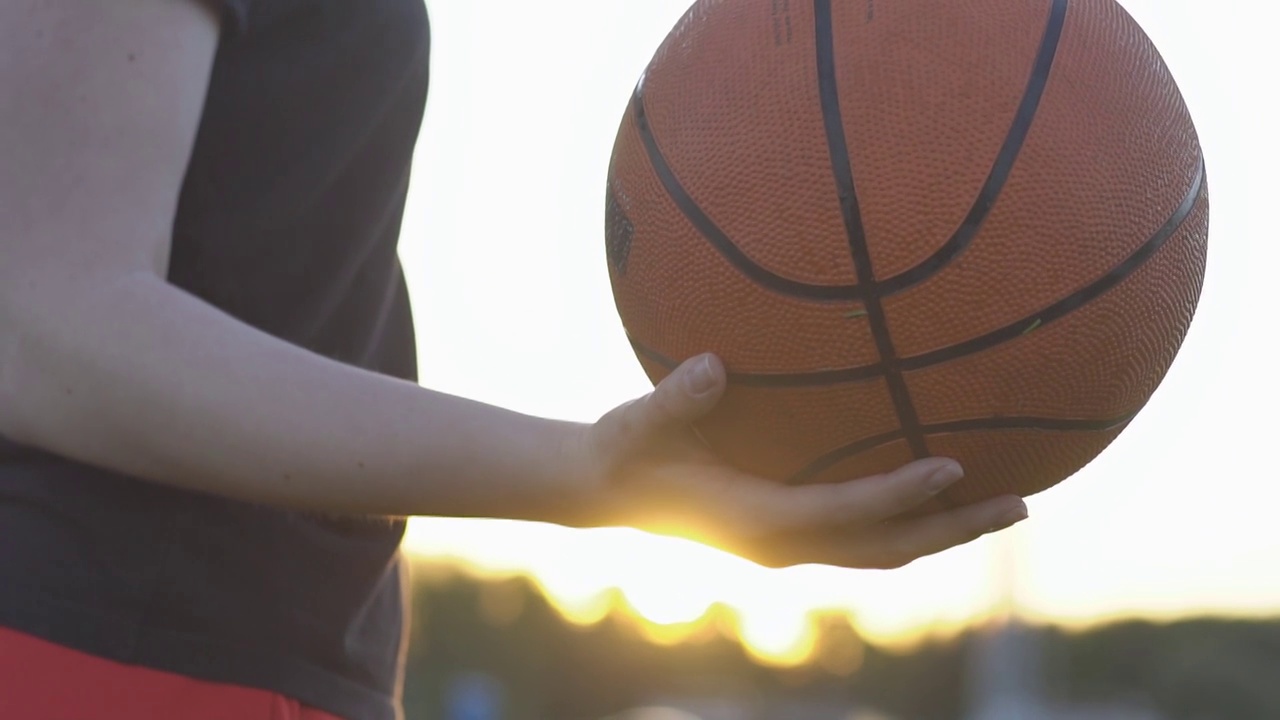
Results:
763 507
903 543
754 508
891 545
871 499
688 393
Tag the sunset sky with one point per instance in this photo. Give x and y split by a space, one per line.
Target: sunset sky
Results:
504 250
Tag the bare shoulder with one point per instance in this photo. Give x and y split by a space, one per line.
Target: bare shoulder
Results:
99 106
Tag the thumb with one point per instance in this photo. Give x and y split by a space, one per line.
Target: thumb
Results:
685 395
688 393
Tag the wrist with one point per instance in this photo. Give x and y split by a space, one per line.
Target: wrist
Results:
578 475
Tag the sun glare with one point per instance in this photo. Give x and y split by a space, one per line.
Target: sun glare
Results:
677 590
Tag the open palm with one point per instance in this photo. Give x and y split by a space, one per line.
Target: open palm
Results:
653 471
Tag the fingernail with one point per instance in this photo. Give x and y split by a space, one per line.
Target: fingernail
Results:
943 478
1011 518
701 378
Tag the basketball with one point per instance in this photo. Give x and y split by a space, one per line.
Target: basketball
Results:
910 228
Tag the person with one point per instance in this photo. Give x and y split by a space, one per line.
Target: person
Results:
213 429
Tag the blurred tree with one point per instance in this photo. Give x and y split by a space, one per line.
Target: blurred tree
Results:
549 669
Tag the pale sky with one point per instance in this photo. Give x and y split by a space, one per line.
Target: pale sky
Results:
505 256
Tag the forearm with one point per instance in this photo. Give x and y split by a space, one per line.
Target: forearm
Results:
142 378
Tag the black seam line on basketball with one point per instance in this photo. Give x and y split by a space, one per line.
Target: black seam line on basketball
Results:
1077 299
860 251
1013 331
1001 169
829 460
717 237
773 380
957 244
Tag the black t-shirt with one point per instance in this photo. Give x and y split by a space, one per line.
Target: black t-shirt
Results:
288 220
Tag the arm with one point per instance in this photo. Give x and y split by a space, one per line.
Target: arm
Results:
103 361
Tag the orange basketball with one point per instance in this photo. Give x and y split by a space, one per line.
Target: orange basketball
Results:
967 228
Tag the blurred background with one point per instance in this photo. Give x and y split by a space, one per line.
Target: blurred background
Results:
1147 586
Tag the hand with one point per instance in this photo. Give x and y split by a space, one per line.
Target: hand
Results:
650 470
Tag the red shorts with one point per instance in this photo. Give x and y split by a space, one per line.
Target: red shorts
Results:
43 681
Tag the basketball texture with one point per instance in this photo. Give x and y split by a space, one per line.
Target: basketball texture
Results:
963 228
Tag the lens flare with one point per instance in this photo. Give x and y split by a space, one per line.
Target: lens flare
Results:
675 590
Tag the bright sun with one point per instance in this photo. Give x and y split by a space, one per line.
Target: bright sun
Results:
677 589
